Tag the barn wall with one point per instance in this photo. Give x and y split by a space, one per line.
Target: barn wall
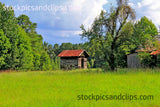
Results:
69 63
133 61
85 63
79 62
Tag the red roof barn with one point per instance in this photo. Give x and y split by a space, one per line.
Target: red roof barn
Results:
73 59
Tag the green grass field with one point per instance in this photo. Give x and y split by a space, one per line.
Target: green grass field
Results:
61 88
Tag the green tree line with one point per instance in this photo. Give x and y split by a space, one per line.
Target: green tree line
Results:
21 47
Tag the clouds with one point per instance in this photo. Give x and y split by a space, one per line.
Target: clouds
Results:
68 24
151 9
78 12
87 10
63 24
60 36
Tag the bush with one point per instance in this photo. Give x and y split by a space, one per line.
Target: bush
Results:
146 59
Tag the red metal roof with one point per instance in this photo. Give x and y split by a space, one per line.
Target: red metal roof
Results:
155 52
71 53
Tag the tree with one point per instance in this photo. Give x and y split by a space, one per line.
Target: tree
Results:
26 24
50 52
9 28
45 46
45 63
4 47
56 49
105 31
20 45
126 46
36 61
66 46
144 33
145 39
18 55
25 56
30 29
38 47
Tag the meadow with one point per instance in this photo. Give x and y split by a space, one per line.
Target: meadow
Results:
61 88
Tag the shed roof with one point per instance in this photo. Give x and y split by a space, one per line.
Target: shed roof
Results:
73 53
155 52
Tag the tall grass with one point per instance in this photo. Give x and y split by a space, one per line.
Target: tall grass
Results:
60 88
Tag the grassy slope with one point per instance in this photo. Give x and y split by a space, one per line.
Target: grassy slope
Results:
48 89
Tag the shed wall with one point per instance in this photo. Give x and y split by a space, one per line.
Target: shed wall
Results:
133 61
85 63
79 62
69 63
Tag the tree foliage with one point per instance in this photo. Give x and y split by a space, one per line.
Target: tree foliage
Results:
36 40
18 55
145 39
21 47
105 33
144 33
4 47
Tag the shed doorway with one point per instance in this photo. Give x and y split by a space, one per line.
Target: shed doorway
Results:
82 63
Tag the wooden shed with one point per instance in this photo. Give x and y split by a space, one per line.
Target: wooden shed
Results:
73 59
133 61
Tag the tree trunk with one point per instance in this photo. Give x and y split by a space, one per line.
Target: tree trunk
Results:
112 57
112 61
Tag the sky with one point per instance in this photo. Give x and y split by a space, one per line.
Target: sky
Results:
59 21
